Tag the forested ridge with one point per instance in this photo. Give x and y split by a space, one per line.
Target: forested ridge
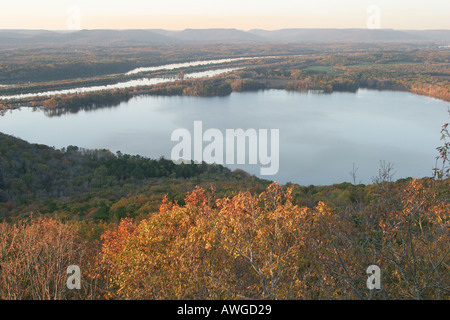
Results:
33 173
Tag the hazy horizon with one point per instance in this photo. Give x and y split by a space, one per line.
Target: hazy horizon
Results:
201 14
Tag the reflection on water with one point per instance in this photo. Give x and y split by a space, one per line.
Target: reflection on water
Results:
57 112
321 136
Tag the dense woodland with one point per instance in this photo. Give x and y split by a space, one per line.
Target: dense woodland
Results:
77 181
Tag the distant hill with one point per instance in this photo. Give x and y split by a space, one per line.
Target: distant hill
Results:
10 38
119 37
437 35
339 35
84 37
215 35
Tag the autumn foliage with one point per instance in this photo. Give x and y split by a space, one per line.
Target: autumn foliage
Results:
265 247
247 246
34 258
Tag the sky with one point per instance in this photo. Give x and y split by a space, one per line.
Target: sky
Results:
239 14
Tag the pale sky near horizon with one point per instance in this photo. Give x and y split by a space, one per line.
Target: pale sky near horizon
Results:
239 14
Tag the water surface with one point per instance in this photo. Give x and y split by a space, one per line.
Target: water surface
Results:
321 135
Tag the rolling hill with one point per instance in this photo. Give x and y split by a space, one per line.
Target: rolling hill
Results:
137 37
